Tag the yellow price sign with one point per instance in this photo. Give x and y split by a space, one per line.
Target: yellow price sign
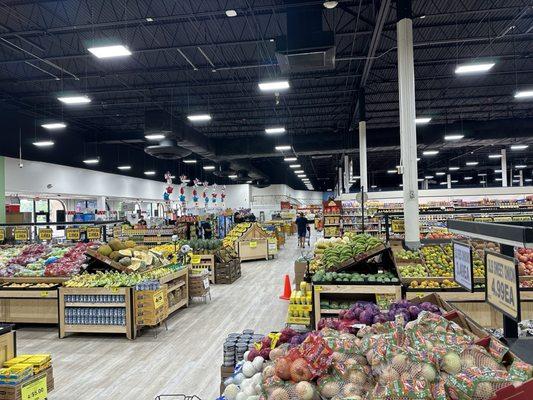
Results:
44 294
21 234
159 300
318 288
114 290
45 234
253 245
195 259
2 234
36 390
72 233
398 225
93 233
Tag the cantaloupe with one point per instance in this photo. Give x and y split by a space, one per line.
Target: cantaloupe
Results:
105 250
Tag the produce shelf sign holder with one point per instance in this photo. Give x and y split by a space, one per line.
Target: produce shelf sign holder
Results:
463 271
2 234
93 233
72 233
21 234
501 286
45 234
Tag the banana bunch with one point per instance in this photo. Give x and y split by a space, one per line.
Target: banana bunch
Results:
363 243
337 254
333 253
104 279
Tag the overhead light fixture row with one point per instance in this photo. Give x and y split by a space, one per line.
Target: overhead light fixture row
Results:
149 173
199 117
473 68
209 167
154 136
124 167
295 166
43 143
274 86
495 156
472 163
289 159
54 125
73 100
430 152
91 161
189 161
523 94
275 130
283 148
453 137
110 51
519 146
422 120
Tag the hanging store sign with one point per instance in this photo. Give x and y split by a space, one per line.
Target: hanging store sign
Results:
93 233
72 233
22 234
463 268
45 234
2 234
501 288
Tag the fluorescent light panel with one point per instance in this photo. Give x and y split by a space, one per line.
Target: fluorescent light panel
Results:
299 171
429 177
71 100
453 137
472 163
454 181
301 175
124 167
54 125
295 165
498 179
91 161
199 117
208 167
275 130
468 178
233 176
495 156
520 166
523 94
483 174
274 86
391 171
519 146
110 51
443 183
43 143
473 68
440 173
422 120
282 148
189 161
430 152
453 169
149 173
289 159
155 136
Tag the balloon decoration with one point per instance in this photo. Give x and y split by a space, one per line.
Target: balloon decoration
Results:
223 197
204 194
214 194
183 183
195 197
169 189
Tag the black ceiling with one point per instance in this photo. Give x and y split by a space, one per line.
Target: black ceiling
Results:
188 56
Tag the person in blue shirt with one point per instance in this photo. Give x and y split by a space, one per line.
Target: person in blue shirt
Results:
301 223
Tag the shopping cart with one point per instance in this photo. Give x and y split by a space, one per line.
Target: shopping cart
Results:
177 397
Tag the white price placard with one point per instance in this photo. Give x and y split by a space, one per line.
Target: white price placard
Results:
463 269
501 290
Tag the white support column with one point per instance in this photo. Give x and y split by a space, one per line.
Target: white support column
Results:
521 173
408 144
347 172
363 171
340 181
449 181
504 168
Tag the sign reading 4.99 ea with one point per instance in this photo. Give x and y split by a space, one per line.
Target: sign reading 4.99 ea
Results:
502 282
463 271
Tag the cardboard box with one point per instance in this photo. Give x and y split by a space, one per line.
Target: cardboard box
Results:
299 272
14 392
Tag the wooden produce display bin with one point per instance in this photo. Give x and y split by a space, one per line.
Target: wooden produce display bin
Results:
204 261
254 249
7 343
33 305
177 288
352 293
228 272
15 392
96 310
199 284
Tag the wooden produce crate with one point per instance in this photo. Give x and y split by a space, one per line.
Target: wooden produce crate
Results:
15 392
353 293
27 305
87 299
254 249
205 261
177 285
151 307
199 284
227 273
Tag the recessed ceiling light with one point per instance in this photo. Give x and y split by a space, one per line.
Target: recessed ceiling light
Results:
231 13
391 171
149 19
330 4
274 86
443 183
468 178
453 169
523 94
233 176
440 173
495 156
54 125
429 177
43 143
483 174
453 137
208 167
473 68
199 117
93 160
149 173
155 136
282 148
295 165
520 166
454 181
422 120
430 152
498 179
110 51
124 167
274 131
289 159
299 171
71 100
472 163
189 161
519 146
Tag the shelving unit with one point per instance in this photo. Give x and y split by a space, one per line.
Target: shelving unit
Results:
177 284
29 305
148 236
206 261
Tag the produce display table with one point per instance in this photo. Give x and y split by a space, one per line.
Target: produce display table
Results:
254 249
351 293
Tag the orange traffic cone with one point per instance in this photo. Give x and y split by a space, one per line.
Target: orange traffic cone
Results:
287 289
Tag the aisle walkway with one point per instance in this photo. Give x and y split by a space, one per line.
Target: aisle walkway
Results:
184 359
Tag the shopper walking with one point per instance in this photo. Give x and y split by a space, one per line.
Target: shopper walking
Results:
301 223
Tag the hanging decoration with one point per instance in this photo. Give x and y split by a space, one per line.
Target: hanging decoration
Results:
214 194
183 183
223 197
195 197
168 190
204 194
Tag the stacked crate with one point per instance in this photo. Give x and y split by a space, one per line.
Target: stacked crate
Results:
228 272
151 306
199 283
